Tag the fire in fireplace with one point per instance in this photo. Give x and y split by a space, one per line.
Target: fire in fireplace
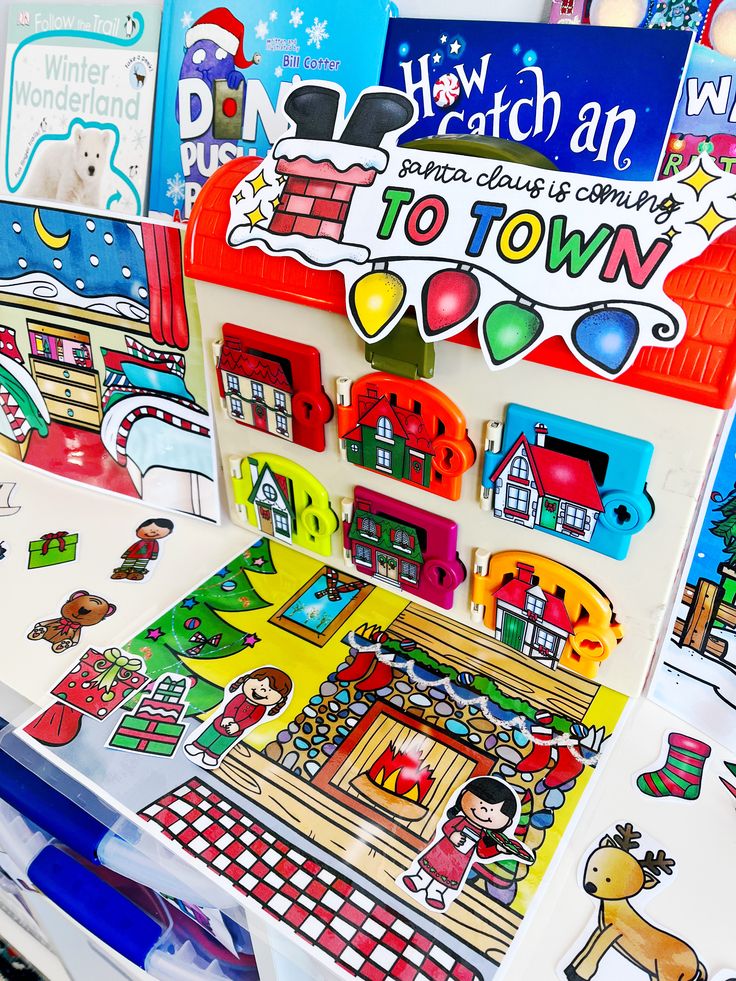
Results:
396 782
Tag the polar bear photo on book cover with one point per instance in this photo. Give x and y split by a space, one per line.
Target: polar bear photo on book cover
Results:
75 170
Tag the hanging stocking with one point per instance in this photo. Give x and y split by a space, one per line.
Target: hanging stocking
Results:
378 677
541 753
565 768
682 771
359 667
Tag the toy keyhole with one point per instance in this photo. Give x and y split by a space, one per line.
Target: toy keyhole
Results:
591 645
447 457
440 576
307 408
623 515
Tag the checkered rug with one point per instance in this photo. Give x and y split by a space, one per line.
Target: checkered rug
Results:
362 935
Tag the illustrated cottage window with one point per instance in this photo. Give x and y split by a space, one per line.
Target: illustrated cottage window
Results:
535 605
369 528
575 517
519 468
281 426
383 459
257 390
269 493
517 498
232 384
363 554
279 400
546 640
236 407
402 539
384 429
408 571
280 523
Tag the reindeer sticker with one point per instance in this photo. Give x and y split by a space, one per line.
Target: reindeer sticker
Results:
614 876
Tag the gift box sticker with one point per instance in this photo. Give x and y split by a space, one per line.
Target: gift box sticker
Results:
99 683
53 548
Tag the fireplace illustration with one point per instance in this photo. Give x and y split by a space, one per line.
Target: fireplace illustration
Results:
397 782
398 772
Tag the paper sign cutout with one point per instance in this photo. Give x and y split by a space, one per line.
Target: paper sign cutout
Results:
528 253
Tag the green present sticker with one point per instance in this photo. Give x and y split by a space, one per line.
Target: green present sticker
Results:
55 548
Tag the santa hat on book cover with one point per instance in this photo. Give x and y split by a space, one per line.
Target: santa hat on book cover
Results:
224 29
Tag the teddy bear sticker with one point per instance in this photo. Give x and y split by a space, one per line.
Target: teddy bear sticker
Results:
80 610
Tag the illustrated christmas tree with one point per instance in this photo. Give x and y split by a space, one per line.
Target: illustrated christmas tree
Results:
725 527
195 630
678 14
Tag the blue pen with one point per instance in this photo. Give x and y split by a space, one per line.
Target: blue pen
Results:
74 827
103 911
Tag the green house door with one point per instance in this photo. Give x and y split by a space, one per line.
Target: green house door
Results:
512 632
549 508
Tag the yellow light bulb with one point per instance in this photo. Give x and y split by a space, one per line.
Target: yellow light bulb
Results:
375 298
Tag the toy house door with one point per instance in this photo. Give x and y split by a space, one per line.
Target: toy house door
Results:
265 519
512 632
548 515
260 416
388 566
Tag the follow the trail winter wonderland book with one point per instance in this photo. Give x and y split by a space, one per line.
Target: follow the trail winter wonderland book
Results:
593 100
225 70
78 103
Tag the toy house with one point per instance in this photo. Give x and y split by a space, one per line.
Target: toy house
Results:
271 498
540 486
531 620
256 390
384 548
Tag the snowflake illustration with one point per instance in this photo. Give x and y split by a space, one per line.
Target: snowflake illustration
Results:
140 138
261 29
278 71
273 15
296 17
317 33
186 19
175 188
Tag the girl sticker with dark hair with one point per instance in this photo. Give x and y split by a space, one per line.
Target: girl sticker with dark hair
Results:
263 693
473 830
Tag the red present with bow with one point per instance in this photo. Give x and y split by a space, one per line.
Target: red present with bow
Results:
54 548
99 683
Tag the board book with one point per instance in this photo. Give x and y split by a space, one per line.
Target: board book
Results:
516 81
78 104
225 71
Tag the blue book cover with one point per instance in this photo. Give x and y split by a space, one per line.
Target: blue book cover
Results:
593 100
224 72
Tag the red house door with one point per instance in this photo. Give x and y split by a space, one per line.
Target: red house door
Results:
260 416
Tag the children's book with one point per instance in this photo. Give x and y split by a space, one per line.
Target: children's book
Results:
78 104
561 92
225 70
705 121
695 676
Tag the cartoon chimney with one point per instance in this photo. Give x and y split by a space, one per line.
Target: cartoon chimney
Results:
321 172
525 572
541 432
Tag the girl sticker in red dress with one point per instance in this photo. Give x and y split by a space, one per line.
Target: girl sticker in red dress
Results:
264 692
473 830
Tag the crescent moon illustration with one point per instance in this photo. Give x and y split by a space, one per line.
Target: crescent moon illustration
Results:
53 241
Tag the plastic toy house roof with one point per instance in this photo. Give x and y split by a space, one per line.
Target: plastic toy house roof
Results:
701 368
557 474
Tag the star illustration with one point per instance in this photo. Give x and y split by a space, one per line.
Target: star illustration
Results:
238 197
250 640
257 183
699 179
275 203
259 561
455 48
671 232
189 603
710 221
443 39
223 572
436 57
670 204
154 633
255 216
281 179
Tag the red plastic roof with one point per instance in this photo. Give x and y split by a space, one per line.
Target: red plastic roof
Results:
702 368
557 474
258 367
406 424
